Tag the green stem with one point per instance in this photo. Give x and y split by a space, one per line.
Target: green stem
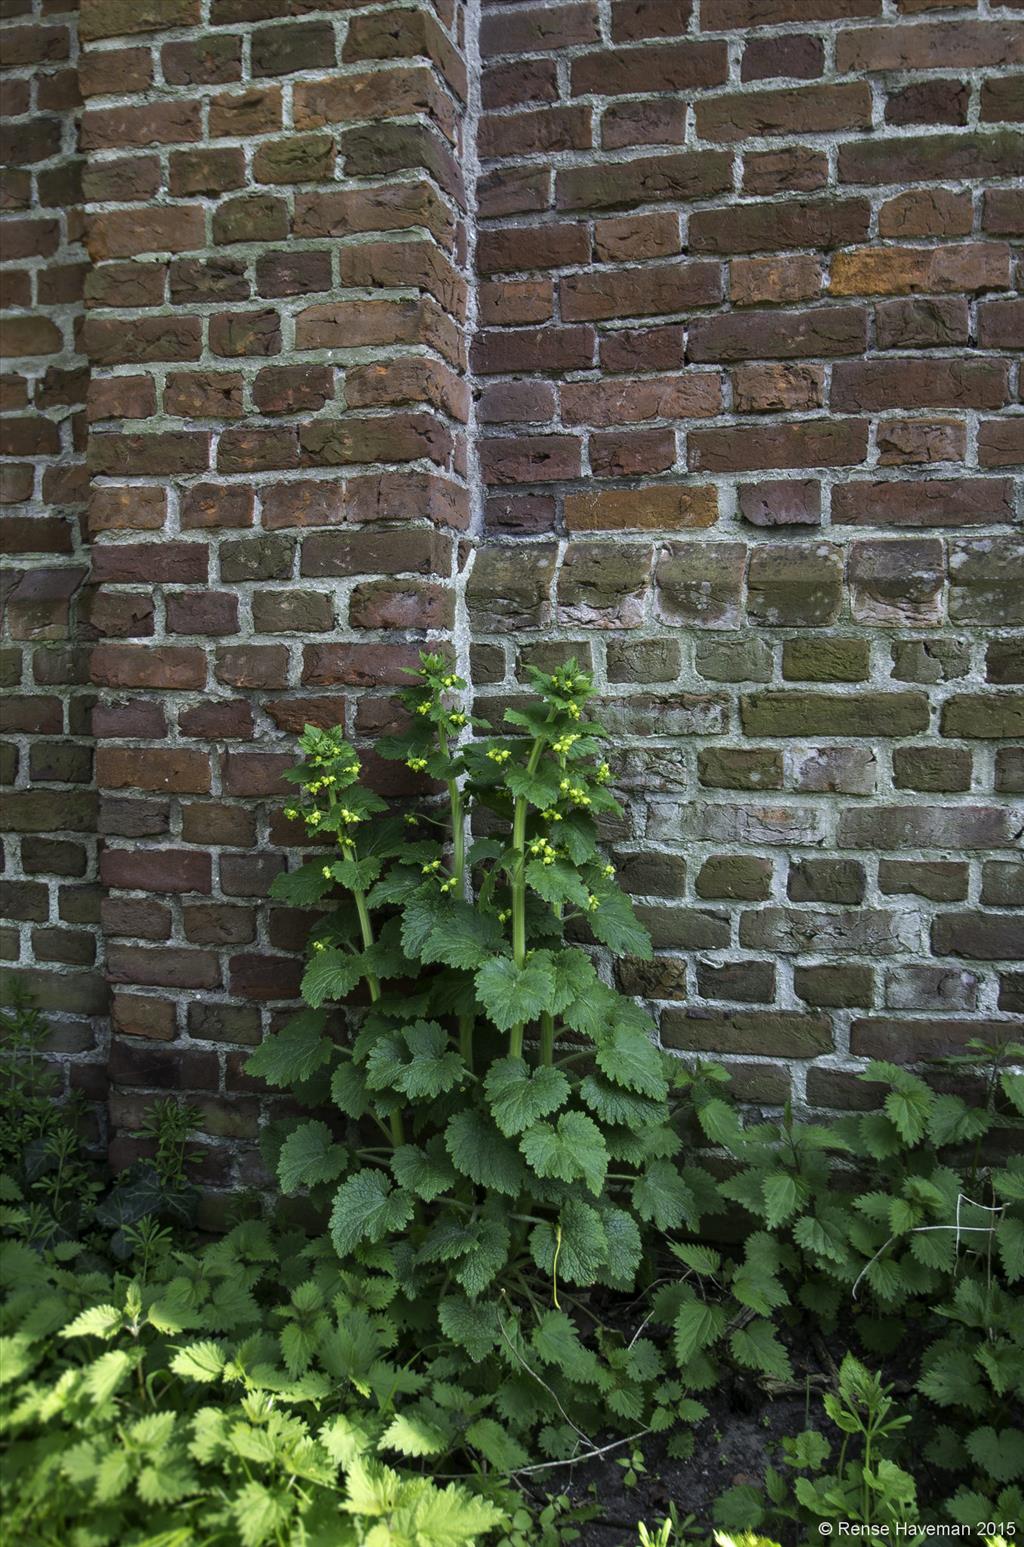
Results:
458 838
466 1026
519 886
397 1127
547 1037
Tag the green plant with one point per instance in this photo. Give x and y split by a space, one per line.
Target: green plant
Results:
867 1486
165 1412
505 1139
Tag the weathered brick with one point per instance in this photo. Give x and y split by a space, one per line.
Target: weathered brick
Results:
829 714
930 827
786 1034
795 586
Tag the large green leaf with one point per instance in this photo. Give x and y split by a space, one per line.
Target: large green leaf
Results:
485 1258
576 1246
630 1059
367 1208
556 883
661 1196
309 1155
302 887
575 1148
615 924
417 1061
425 1172
330 975
483 1154
466 938
757 1347
513 995
519 1096
295 1053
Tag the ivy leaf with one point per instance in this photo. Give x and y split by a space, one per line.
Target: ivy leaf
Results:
577 1246
630 1058
427 1173
660 1195
574 1149
297 1052
199 1361
329 975
366 1208
309 1155
696 1327
757 1348
483 1154
512 995
519 1097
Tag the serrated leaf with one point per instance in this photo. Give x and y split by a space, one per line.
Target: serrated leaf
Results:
496 1445
519 1096
348 1090
1013 1089
427 1173
259 1513
302 887
721 1124
329 975
702 1259
367 1208
483 1154
757 1347
469 1324
100 1321
623 1248
616 925
309 1155
1010 1244
295 1053
411 1434
662 1196
466 939
908 1111
485 1258
781 1198
556 883
199 1361
575 1248
575 1148
629 1058
102 1378
999 1452
513 995
697 1325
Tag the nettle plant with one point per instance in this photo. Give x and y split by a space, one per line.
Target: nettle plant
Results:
509 1137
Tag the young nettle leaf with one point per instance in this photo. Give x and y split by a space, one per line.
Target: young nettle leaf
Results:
624 1248
575 1148
412 1433
617 1106
367 1208
698 1325
1000 1452
200 1361
513 995
757 1347
519 1096
309 1155
479 1151
615 924
486 1256
782 1198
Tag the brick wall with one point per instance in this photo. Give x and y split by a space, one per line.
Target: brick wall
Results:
749 415
708 378
50 901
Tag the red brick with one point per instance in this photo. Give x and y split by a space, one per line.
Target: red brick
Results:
138 666
746 228
153 768
689 395
816 443
125 233
530 458
659 67
156 870
656 288
799 110
531 29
